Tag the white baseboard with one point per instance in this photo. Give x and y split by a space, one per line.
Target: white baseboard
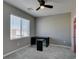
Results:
30 45
15 50
61 46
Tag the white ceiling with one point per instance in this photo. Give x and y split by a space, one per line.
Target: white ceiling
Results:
29 6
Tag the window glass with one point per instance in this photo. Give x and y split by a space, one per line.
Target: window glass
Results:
19 27
25 27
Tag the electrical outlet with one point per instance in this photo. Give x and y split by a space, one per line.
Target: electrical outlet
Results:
64 41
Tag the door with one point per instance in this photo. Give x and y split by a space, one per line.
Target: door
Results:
74 34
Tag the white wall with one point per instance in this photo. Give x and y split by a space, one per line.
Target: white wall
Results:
57 27
10 45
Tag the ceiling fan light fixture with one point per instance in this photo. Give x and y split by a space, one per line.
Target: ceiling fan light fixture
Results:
42 7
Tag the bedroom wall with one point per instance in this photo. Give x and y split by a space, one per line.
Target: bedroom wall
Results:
57 27
10 45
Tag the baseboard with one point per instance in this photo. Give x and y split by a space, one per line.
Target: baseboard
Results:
30 45
15 50
61 46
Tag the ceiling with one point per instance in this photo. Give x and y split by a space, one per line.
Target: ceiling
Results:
29 6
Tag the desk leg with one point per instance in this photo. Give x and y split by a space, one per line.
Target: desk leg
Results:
47 42
33 41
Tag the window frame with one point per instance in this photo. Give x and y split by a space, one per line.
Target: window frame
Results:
21 20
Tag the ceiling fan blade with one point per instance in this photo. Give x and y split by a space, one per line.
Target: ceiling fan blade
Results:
41 2
48 6
38 8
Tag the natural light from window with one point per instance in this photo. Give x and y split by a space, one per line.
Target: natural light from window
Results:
19 27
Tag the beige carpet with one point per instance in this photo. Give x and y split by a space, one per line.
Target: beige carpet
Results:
51 52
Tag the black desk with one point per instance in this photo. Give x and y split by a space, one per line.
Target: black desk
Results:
34 39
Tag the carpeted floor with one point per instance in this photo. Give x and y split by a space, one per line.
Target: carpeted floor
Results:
51 52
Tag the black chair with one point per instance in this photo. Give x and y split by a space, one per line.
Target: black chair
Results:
40 45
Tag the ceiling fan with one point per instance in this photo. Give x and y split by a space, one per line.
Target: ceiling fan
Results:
42 5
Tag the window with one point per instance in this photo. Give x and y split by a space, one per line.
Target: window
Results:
19 27
25 28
